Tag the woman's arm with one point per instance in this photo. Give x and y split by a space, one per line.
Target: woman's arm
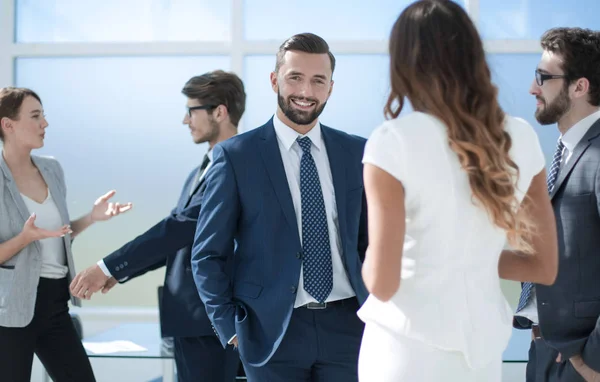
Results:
541 267
102 210
81 224
28 234
11 247
386 216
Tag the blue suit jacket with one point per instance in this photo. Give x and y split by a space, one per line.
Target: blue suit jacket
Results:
248 201
169 243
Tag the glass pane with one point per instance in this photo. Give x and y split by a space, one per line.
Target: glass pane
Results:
116 123
356 104
363 20
529 19
117 20
514 74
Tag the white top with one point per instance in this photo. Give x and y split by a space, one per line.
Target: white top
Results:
450 295
570 139
53 248
291 153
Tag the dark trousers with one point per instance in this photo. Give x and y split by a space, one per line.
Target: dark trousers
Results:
542 365
203 359
318 346
50 335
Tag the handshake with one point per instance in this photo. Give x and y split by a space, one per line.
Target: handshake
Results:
90 281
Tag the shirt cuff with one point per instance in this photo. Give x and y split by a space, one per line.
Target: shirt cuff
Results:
104 268
230 342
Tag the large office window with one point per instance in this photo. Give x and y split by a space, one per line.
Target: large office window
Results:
528 19
110 75
355 20
116 123
50 21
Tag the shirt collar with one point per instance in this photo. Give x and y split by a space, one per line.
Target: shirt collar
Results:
288 136
572 137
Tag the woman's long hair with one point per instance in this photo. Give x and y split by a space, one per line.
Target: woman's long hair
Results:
438 63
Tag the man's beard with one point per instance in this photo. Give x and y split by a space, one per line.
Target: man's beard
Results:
300 117
212 134
550 113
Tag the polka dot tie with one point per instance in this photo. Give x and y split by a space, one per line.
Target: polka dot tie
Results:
527 287
316 259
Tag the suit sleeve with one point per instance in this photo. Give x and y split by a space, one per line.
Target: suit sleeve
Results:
149 250
213 244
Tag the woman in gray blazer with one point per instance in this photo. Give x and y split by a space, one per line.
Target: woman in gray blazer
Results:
36 263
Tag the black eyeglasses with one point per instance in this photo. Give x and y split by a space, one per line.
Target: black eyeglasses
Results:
203 107
541 77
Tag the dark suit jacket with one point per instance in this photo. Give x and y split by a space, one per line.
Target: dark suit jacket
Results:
169 243
247 200
569 309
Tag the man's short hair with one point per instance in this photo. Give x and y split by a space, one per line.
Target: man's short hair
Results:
580 51
307 43
218 88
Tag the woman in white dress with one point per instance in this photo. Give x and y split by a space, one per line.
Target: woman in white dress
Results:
446 186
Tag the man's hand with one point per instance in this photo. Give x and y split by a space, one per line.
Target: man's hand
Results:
586 372
234 342
589 374
110 283
89 282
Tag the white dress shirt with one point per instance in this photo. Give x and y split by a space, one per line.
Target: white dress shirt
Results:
570 139
291 154
191 189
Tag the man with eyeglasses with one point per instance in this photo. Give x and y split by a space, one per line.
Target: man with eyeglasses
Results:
215 104
564 317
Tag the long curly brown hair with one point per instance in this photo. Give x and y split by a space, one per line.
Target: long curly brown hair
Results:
438 63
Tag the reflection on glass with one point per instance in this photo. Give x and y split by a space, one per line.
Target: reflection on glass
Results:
122 21
117 123
529 19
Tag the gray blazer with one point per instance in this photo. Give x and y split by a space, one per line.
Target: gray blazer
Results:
19 276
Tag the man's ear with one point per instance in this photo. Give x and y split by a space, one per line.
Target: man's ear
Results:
582 88
274 83
6 124
220 113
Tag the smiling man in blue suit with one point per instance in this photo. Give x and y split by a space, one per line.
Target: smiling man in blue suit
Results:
289 194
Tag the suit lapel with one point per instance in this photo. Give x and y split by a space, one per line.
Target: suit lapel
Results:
272 160
14 191
337 162
581 147
187 198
